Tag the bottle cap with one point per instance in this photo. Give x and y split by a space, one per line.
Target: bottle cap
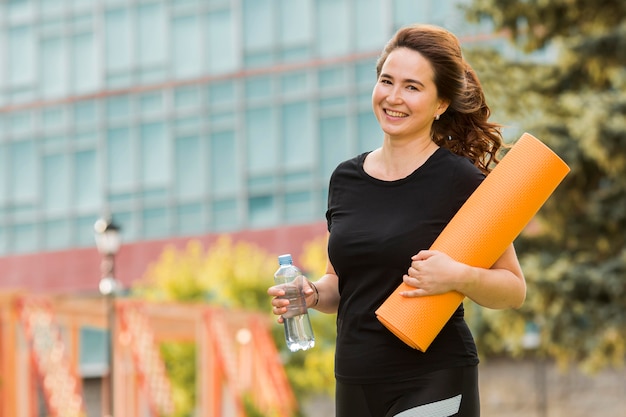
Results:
285 259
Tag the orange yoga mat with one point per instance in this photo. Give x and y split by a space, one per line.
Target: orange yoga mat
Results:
488 222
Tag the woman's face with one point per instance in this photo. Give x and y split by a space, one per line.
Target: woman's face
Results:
405 99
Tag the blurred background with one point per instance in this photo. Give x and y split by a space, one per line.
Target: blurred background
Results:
157 155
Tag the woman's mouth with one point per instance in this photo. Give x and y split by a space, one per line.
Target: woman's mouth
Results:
393 113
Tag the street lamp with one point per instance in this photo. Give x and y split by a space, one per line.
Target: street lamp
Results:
108 242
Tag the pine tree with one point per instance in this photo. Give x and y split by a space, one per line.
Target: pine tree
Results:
574 100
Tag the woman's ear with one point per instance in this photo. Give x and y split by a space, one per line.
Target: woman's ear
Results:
442 107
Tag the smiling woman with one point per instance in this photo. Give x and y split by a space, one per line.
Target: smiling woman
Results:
462 125
385 209
405 97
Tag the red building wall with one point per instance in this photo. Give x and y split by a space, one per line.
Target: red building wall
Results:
78 270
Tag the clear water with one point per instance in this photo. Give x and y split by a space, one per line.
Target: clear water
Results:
297 301
299 333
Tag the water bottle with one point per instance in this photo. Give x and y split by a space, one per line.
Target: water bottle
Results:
298 330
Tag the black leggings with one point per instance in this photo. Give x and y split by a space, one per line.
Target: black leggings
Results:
444 393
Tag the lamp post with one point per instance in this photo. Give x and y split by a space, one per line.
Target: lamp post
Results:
108 241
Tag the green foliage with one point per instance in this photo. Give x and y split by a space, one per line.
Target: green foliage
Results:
237 275
180 361
535 23
575 102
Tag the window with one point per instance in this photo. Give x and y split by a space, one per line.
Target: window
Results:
225 177
190 219
83 229
296 29
53 118
334 143
369 134
298 136
151 103
333 78
258 24
370 27
225 215
23 171
57 234
120 158
262 211
85 114
21 55
365 73
333 25
152 43
156 222
119 109
19 9
186 46
187 125
117 40
258 33
85 68
187 98
222 49
296 22
4 174
261 139
294 83
258 88
299 206
21 123
53 67
87 184
4 240
25 238
222 94
407 12
190 176
56 183
154 152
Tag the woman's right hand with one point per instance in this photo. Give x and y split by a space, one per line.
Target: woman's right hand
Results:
280 302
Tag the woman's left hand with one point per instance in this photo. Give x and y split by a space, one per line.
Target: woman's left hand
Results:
432 272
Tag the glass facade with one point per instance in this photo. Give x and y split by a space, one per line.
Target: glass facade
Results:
184 117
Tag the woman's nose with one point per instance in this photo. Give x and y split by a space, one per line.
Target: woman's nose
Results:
394 96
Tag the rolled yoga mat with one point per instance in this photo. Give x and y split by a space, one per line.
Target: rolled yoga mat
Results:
491 218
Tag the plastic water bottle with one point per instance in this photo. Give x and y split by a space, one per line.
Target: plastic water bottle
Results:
298 330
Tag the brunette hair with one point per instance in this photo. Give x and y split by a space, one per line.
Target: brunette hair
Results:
463 128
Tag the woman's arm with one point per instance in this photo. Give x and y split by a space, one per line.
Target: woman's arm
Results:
499 287
328 291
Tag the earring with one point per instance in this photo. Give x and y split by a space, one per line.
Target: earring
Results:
437 117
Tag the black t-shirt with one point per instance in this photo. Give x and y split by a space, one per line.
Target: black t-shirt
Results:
375 227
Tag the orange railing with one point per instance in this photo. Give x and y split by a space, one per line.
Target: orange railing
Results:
40 340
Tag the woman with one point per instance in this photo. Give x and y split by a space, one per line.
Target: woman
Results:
385 209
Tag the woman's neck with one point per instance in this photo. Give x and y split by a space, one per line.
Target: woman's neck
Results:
395 160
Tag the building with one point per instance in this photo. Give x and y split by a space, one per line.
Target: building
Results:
181 118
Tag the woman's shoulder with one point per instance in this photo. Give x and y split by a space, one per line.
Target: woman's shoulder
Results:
462 165
351 165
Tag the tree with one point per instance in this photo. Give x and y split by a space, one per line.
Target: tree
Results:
574 100
236 275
